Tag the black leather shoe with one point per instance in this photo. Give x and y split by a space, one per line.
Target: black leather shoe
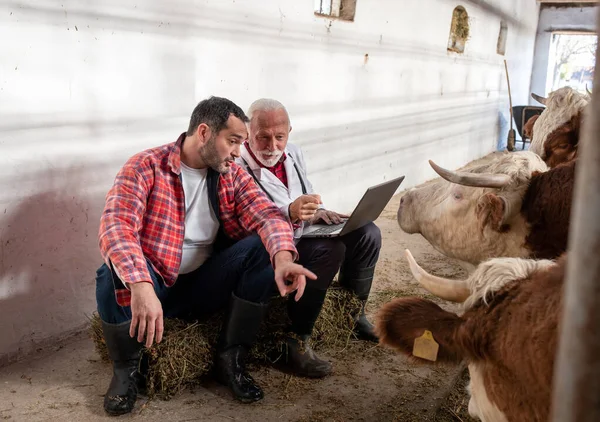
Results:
302 360
364 330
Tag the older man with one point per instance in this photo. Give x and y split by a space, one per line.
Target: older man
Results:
279 169
184 233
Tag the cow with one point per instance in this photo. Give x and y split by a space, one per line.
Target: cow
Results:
507 332
528 127
555 133
512 206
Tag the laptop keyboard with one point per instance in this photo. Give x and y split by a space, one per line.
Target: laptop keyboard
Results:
328 229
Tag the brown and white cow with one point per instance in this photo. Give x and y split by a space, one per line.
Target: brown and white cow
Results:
509 207
507 333
555 133
528 127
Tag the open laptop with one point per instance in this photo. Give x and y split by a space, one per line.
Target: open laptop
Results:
368 209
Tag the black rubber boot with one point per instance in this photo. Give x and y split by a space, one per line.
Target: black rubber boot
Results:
363 329
300 357
237 336
124 351
359 282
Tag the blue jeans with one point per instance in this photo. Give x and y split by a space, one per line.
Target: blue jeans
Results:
243 269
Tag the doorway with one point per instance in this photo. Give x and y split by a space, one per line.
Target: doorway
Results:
571 61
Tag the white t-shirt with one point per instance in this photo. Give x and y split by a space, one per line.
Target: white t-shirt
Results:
201 224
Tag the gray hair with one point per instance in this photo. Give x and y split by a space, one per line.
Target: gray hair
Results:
266 104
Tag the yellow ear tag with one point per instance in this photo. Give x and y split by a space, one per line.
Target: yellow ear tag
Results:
425 347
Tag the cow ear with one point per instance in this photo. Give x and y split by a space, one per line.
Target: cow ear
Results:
401 321
491 211
576 123
528 127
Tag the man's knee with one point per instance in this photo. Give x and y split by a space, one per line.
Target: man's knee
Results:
323 257
336 251
363 246
372 235
257 254
257 286
317 252
103 285
257 283
108 308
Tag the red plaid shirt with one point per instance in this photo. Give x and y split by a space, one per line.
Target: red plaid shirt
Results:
278 169
145 212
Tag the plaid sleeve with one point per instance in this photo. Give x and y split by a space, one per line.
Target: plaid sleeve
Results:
258 214
120 224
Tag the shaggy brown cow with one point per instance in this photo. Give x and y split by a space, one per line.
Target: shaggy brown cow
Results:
509 207
555 134
561 144
547 210
507 335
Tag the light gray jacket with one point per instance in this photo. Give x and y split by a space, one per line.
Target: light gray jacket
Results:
295 169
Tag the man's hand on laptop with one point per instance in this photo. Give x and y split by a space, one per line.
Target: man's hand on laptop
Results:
304 207
328 217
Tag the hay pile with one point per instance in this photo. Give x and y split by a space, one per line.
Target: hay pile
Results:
461 23
186 352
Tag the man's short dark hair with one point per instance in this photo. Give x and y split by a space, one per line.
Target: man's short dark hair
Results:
214 112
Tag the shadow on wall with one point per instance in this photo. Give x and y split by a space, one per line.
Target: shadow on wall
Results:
48 257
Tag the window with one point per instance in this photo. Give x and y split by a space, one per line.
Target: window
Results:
459 30
341 9
501 47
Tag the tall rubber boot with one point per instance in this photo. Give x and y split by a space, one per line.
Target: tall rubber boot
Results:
359 282
237 337
124 351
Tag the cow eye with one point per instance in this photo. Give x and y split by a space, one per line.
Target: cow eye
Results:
457 196
563 146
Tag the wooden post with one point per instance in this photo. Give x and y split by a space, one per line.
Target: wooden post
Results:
576 389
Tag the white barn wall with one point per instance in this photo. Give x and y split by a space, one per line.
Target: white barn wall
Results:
84 85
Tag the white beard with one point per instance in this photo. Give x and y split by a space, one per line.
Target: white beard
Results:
274 156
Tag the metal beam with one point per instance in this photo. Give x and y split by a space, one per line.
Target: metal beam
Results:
576 389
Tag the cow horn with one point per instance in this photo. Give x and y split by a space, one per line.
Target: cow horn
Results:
444 288
477 180
539 99
587 90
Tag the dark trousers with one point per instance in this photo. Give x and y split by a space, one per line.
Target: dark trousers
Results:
362 251
243 269
323 257
356 253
